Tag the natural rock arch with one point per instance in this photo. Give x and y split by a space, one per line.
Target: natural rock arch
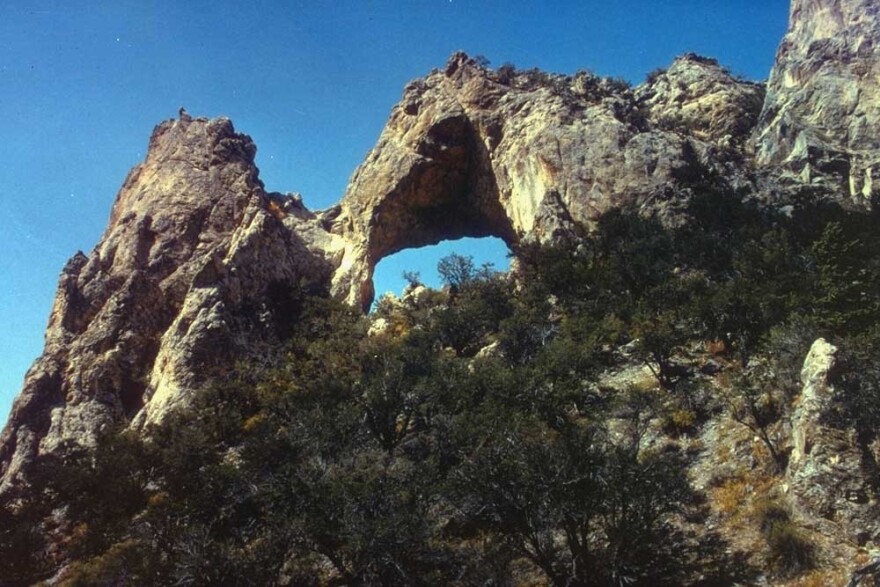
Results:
451 194
468 152
440 185
184 276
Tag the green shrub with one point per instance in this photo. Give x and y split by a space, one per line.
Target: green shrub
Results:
654 75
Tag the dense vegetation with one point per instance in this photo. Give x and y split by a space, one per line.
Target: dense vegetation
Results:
471 441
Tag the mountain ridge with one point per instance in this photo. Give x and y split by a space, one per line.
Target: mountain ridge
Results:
196 267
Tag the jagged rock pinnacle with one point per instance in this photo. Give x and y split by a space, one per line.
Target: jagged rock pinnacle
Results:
192 241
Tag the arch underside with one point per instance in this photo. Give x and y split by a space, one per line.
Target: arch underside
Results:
449 193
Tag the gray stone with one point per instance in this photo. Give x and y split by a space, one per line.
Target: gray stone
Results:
825 472
822 111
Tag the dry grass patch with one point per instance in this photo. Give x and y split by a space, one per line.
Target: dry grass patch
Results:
819 578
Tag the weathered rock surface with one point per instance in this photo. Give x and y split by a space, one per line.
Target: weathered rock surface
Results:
191 271
825 469
198 262
470 152
822 111
699 97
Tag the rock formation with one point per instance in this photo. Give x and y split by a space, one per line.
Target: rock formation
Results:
825 470
470 152
701 98
198 262
190 273
823 98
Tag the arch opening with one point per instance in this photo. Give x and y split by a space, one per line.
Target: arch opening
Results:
388 273
437 185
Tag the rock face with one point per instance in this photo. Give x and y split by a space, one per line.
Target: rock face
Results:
699 97
470 152
822 110
190 272
825 469
198 263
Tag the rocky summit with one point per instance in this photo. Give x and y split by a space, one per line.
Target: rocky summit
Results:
199 264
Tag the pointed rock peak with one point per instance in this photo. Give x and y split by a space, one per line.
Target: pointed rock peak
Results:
695 65
194 243
459 60
180 152
198 140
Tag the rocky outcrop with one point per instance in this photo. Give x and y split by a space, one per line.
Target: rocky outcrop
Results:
822 111
699 97
526 155
198 261
193 270
198 264
826 478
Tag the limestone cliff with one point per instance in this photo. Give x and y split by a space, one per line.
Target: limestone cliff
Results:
198 262
822 110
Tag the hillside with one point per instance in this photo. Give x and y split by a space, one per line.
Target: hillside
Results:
677 384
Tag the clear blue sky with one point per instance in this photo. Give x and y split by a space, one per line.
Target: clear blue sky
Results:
83 83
